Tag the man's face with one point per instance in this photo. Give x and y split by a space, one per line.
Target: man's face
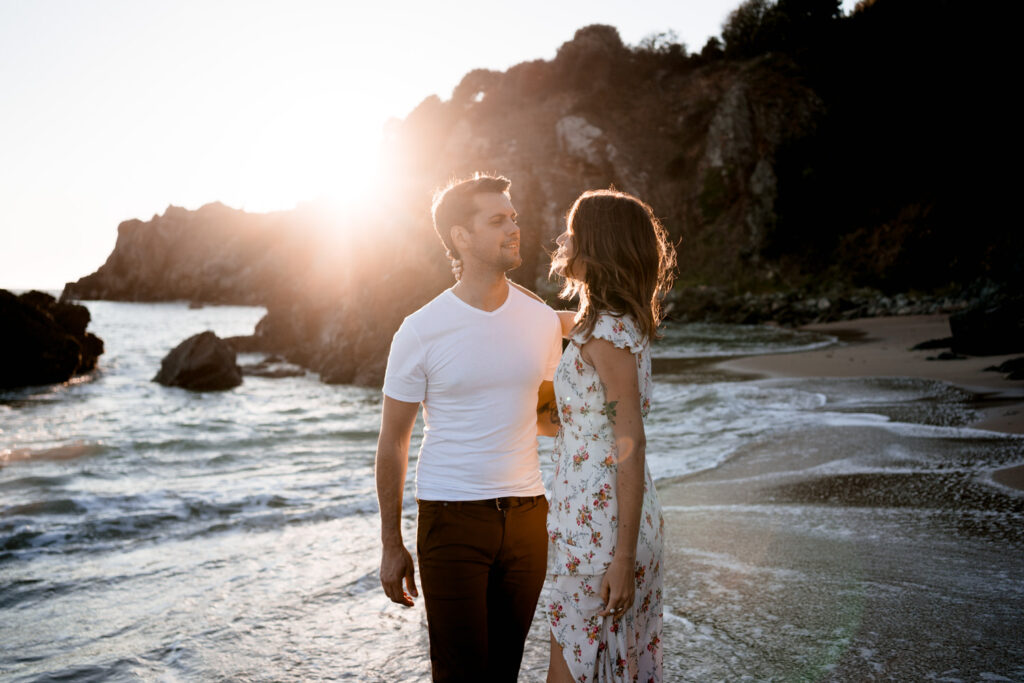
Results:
494 235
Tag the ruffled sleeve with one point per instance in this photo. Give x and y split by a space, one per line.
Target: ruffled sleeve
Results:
619 330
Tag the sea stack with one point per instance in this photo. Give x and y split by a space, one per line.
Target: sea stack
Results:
203 362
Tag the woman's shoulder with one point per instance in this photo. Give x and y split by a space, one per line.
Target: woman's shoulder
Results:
620 330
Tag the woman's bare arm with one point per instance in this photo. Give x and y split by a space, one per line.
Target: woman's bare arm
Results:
568 321
618 372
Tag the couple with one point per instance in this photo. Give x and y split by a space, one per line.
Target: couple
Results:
484 358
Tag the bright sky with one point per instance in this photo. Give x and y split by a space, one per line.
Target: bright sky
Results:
113 109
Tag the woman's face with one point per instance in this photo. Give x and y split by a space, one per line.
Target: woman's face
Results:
566 250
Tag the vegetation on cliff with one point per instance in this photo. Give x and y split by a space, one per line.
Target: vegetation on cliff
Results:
896 186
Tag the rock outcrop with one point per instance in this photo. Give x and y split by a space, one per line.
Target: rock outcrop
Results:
203 362
44 341
1014 368
989 328
215 254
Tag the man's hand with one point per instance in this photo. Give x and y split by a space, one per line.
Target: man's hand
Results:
395 566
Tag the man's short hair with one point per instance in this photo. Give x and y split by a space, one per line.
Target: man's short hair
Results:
454 204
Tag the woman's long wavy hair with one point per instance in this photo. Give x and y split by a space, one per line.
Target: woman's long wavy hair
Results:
622 263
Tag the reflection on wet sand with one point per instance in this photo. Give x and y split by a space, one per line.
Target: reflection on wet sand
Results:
68 451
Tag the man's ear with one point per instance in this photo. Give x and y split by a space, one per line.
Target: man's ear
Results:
460 237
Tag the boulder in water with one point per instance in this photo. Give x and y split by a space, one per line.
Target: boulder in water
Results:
44 340
203 362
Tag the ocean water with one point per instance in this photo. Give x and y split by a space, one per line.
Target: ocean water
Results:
151 533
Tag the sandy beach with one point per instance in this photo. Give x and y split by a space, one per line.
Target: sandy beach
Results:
880 347
855 552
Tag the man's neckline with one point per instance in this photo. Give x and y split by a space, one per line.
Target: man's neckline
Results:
482 311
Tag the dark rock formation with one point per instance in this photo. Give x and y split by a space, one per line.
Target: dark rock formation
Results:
248 343
989 328
203 362
947 355
44 341
1013 367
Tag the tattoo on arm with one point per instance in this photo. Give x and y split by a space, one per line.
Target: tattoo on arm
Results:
609 410
551 408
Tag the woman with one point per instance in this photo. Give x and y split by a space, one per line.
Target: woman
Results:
605 523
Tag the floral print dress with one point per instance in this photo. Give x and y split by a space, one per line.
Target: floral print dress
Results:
583 523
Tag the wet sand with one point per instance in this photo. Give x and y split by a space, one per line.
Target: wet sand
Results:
880 347
859 552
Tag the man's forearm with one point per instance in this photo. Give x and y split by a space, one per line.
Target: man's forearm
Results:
548 421
547 410
396 566
392 461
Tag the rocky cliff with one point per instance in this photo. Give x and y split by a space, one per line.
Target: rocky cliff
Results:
215 254
697 143
739 156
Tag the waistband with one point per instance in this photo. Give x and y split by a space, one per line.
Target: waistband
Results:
499 503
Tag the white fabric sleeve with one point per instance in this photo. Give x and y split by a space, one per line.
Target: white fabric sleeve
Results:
405 378
556 350
619 330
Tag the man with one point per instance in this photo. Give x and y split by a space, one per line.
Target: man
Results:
477 357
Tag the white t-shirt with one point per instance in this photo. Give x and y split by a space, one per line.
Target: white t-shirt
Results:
477 374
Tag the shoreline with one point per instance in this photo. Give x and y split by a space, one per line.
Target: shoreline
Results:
881 347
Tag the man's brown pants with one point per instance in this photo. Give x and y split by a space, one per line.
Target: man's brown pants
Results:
482 566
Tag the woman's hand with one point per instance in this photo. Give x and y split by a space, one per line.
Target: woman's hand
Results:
618 587
456 264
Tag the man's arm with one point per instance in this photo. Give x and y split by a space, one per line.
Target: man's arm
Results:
397 419
547 410
567 319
